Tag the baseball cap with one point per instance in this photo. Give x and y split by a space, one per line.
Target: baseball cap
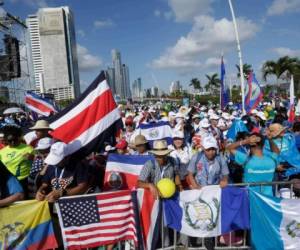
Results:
209 142
58 152
178 134
44 143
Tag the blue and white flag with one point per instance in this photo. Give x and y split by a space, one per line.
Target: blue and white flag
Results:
275 222
208 212
153 131
224 90
253 93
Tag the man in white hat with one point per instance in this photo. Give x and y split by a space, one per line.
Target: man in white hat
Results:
208 167
196 122
162 167
41 129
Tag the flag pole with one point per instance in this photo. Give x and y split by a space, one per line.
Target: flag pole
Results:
239 54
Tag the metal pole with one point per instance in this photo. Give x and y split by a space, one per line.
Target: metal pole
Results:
239 54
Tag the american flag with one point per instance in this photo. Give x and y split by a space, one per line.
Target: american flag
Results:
98 219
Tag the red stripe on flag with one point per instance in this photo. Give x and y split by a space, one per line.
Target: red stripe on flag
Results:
92 229
70 130
117 218
37 105
129 180
114 211
111 204
110 195
45 243
82 238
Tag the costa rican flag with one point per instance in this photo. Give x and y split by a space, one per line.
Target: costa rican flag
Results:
41 105
89 121
123 171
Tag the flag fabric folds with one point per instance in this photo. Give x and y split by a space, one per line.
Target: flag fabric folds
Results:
97 219
127 167
291 111
90 120
153 131
208 212
224 91
253 93
26 225
41 105
275 222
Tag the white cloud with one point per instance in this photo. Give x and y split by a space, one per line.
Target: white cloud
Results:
208 37
103 23
282 51
81 33
188 9
32 3
213 62
157 13
168 15
87 61
279 7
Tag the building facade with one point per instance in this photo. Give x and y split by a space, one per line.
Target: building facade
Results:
53 52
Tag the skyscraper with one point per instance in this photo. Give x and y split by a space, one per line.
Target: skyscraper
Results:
126 82
53 52
110 76
116 59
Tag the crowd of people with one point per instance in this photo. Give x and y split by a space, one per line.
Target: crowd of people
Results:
209 146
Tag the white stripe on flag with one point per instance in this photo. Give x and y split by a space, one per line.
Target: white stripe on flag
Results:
123 167
116 215
121 206
84 104
116 199
37 110
95 130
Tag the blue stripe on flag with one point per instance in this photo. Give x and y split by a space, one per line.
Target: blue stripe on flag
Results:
265 221
129 159
154 125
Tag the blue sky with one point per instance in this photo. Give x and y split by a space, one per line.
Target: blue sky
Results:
166 40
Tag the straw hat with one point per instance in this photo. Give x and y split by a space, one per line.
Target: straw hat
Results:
41 124
160 147
140 140
275 129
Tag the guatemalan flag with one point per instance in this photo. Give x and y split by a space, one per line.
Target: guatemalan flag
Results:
89 121
275 222
153 131
41 105
208 212
123 171
253 93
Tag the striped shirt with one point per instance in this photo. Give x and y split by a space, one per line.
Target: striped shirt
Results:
153 173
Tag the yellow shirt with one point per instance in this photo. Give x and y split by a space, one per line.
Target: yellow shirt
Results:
15 160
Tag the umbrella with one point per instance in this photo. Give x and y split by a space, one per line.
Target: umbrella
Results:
13 111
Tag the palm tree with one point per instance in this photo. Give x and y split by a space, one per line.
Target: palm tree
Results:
213 82
247 69
282 68
196 84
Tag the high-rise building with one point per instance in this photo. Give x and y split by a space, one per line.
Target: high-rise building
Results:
126 81
53 52
175 86
117 64
110 76
137 88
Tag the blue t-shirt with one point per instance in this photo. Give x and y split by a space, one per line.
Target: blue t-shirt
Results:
258 169
13 186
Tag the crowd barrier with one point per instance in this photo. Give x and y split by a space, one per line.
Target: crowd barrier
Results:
234 240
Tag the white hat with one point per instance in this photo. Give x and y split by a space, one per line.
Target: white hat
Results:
261 115
204 123
209 142
230 103
226 116
41 124
203 108
177 134
214 117
196 116
44 143
172 114
179 115
109 148
210 112
58 152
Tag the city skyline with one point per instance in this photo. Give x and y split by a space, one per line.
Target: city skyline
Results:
173 42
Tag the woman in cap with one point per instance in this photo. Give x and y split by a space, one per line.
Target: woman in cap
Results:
181 154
